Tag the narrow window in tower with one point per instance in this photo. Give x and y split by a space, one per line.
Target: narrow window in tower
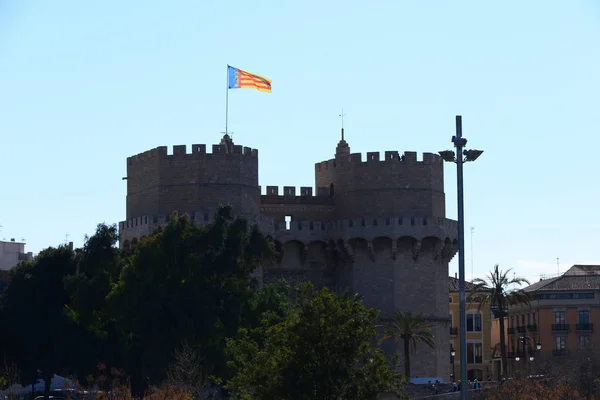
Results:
288 222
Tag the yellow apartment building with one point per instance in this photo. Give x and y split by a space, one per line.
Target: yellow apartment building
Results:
479 345
560 320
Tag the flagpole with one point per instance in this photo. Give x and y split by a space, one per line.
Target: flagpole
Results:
227 101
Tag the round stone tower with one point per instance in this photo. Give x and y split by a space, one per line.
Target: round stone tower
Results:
390 185
194 182
387 238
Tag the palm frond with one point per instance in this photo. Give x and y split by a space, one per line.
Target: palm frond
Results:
414 328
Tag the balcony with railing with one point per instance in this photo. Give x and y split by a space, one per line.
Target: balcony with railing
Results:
560 327
584 327
560 352
532 328
453 331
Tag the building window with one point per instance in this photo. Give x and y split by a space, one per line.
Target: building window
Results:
583 342
560 317
473 322
533 318
512 321
584 317
523 320
560 342
474 353
450 300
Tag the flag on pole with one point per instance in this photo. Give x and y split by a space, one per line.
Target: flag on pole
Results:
239 79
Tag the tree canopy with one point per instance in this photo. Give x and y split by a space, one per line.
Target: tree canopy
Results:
34 324
323 349
186 295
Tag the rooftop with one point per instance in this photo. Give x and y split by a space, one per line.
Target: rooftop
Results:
583 270
453 284
578 277
12 240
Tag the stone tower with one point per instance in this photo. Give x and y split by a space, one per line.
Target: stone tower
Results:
159 183
376 226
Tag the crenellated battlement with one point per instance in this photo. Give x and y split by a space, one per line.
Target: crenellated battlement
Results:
291 191
189 177
195 150
408 158
365 227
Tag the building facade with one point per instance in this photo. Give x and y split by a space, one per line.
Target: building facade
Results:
11 253
479 326
375 225
560 319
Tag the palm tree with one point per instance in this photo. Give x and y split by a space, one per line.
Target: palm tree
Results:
412 329
496 292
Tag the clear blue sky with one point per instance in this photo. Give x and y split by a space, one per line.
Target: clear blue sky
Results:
84 84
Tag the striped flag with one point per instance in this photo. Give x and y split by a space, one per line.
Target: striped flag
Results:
239 79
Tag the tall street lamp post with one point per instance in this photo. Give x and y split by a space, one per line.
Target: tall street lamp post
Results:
461 156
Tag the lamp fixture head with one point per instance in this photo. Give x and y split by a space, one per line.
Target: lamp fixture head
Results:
472 154
448 155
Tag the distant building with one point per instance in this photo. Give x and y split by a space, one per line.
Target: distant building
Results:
479 344
11 252
561 317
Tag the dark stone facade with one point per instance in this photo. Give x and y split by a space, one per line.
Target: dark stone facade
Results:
376 226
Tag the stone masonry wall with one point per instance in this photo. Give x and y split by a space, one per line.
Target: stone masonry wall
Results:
392 185
159 183
375 226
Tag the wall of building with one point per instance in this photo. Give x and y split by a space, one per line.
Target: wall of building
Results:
484 336
388 185
160 183
11 253
299 205
543 328
392 261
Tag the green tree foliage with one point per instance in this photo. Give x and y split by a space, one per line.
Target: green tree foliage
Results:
98 266
97 270
320 350
497 292
411 329
32 307
187 283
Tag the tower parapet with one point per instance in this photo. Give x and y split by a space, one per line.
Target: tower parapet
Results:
390 185
159 183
